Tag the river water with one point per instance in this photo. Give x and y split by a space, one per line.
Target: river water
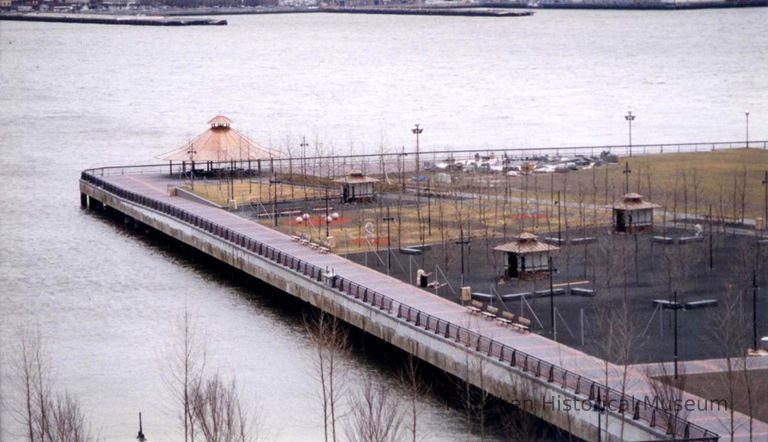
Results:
74 96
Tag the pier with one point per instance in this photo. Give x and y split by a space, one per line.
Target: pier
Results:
507 363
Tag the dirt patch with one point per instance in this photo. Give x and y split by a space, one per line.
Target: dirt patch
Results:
318 220
360 242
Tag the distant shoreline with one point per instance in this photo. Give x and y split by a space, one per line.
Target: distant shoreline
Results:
166 16
520 4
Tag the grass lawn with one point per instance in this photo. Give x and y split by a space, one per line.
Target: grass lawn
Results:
714 386
681 182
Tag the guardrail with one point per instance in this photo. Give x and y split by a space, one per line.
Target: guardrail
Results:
597 394
400 162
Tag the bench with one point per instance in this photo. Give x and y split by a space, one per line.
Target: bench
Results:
664 239
506 318
701 304
324 250
545 293
490 312
522 324
479 295
304 241
314 245
410 251
475 307
554 240
667 304
295 238
584 240
515 296
578 291
689 239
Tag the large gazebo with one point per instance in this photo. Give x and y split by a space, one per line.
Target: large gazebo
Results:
220 143
526 256
633 214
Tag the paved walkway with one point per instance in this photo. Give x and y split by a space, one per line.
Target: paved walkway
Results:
155 186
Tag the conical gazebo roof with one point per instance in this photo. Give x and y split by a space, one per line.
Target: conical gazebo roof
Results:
221 143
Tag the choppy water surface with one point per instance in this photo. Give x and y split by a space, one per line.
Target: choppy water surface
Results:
74 96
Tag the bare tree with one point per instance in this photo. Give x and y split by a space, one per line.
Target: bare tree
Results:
186 365
67 421
29 348
520 422
375 415
33 371
668 393
411 381
219 413
731 336
45 416
616 324
331 342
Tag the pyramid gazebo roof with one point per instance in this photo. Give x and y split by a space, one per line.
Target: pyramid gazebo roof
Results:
221 143
356 177
633 201
526 242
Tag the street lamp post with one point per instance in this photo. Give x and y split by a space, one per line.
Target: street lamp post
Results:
552 299
417 131
559 229
326 211
462 242
388 220
599 409
232 178
274 201
402 168
746 116
303 146
755 288
675 307
629 117
765 185
627 171
191 152
429 208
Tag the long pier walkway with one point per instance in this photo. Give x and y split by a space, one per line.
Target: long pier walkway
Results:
563 367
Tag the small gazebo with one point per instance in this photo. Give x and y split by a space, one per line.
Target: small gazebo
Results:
356 187
526 256
633 214
220 143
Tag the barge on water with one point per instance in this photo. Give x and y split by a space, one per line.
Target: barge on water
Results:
136 20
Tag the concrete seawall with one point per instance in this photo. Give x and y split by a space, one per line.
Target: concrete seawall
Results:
516 379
